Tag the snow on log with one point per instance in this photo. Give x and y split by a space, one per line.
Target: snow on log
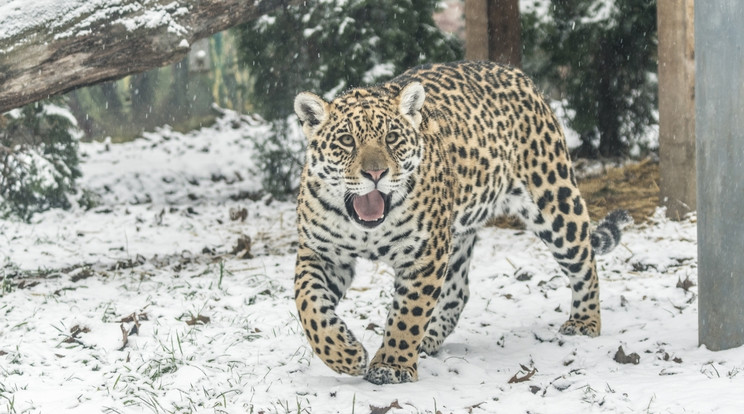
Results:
48 47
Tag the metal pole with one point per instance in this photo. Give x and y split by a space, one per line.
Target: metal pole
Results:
719 48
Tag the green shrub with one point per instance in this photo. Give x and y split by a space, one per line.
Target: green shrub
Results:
38 159
280 157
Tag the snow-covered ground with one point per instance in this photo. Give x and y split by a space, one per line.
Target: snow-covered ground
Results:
144 304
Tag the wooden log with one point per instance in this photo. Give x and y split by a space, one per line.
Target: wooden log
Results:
88 44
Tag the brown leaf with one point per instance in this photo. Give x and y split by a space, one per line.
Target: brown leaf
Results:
129 263
75 331
526 377
667 357
473 407
134 317
24 284
685 284
238 213
372 326
524 275
198 320
243 249
383 410
621 358
124 337
84 273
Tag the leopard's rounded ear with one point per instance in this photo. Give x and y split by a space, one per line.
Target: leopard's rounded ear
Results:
411 101
311 109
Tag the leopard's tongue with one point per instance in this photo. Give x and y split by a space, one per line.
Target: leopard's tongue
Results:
369 207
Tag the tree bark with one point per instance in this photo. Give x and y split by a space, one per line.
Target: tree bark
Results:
124 37
476 29
677 106
493 31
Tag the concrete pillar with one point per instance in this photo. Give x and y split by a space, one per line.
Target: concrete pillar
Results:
677 106
719 36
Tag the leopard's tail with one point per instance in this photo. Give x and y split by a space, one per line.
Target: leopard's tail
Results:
607 234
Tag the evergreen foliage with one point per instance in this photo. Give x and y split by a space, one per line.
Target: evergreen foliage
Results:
601 56
38 159
331 45
280 157
326 47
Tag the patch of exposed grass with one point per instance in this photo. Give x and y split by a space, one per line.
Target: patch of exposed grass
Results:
633 187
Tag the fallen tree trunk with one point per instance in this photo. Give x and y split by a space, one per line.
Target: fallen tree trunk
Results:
82 42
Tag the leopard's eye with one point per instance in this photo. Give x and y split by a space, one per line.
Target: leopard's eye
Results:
346 140
392 138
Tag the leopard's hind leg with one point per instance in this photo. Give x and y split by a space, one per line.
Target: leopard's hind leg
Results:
553 209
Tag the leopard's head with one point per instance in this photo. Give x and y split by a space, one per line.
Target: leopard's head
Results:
364 146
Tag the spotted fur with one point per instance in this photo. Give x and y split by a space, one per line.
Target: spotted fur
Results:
406 172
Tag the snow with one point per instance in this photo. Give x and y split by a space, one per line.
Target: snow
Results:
378 71
18 15
601 11
159 247
564 115
52 109
597 10
158 17
539 7
74 17
342 27
33 159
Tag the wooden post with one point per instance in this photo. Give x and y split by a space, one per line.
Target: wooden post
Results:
719 76
677 106
493 31
476 29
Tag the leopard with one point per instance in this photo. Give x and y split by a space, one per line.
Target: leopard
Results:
405 172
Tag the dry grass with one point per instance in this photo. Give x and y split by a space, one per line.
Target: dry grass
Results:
633 187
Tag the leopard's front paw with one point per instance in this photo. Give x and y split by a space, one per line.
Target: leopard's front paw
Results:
337 347
390 374
589 327
350 359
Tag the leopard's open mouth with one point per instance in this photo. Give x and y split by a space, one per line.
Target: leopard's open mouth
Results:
369 209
